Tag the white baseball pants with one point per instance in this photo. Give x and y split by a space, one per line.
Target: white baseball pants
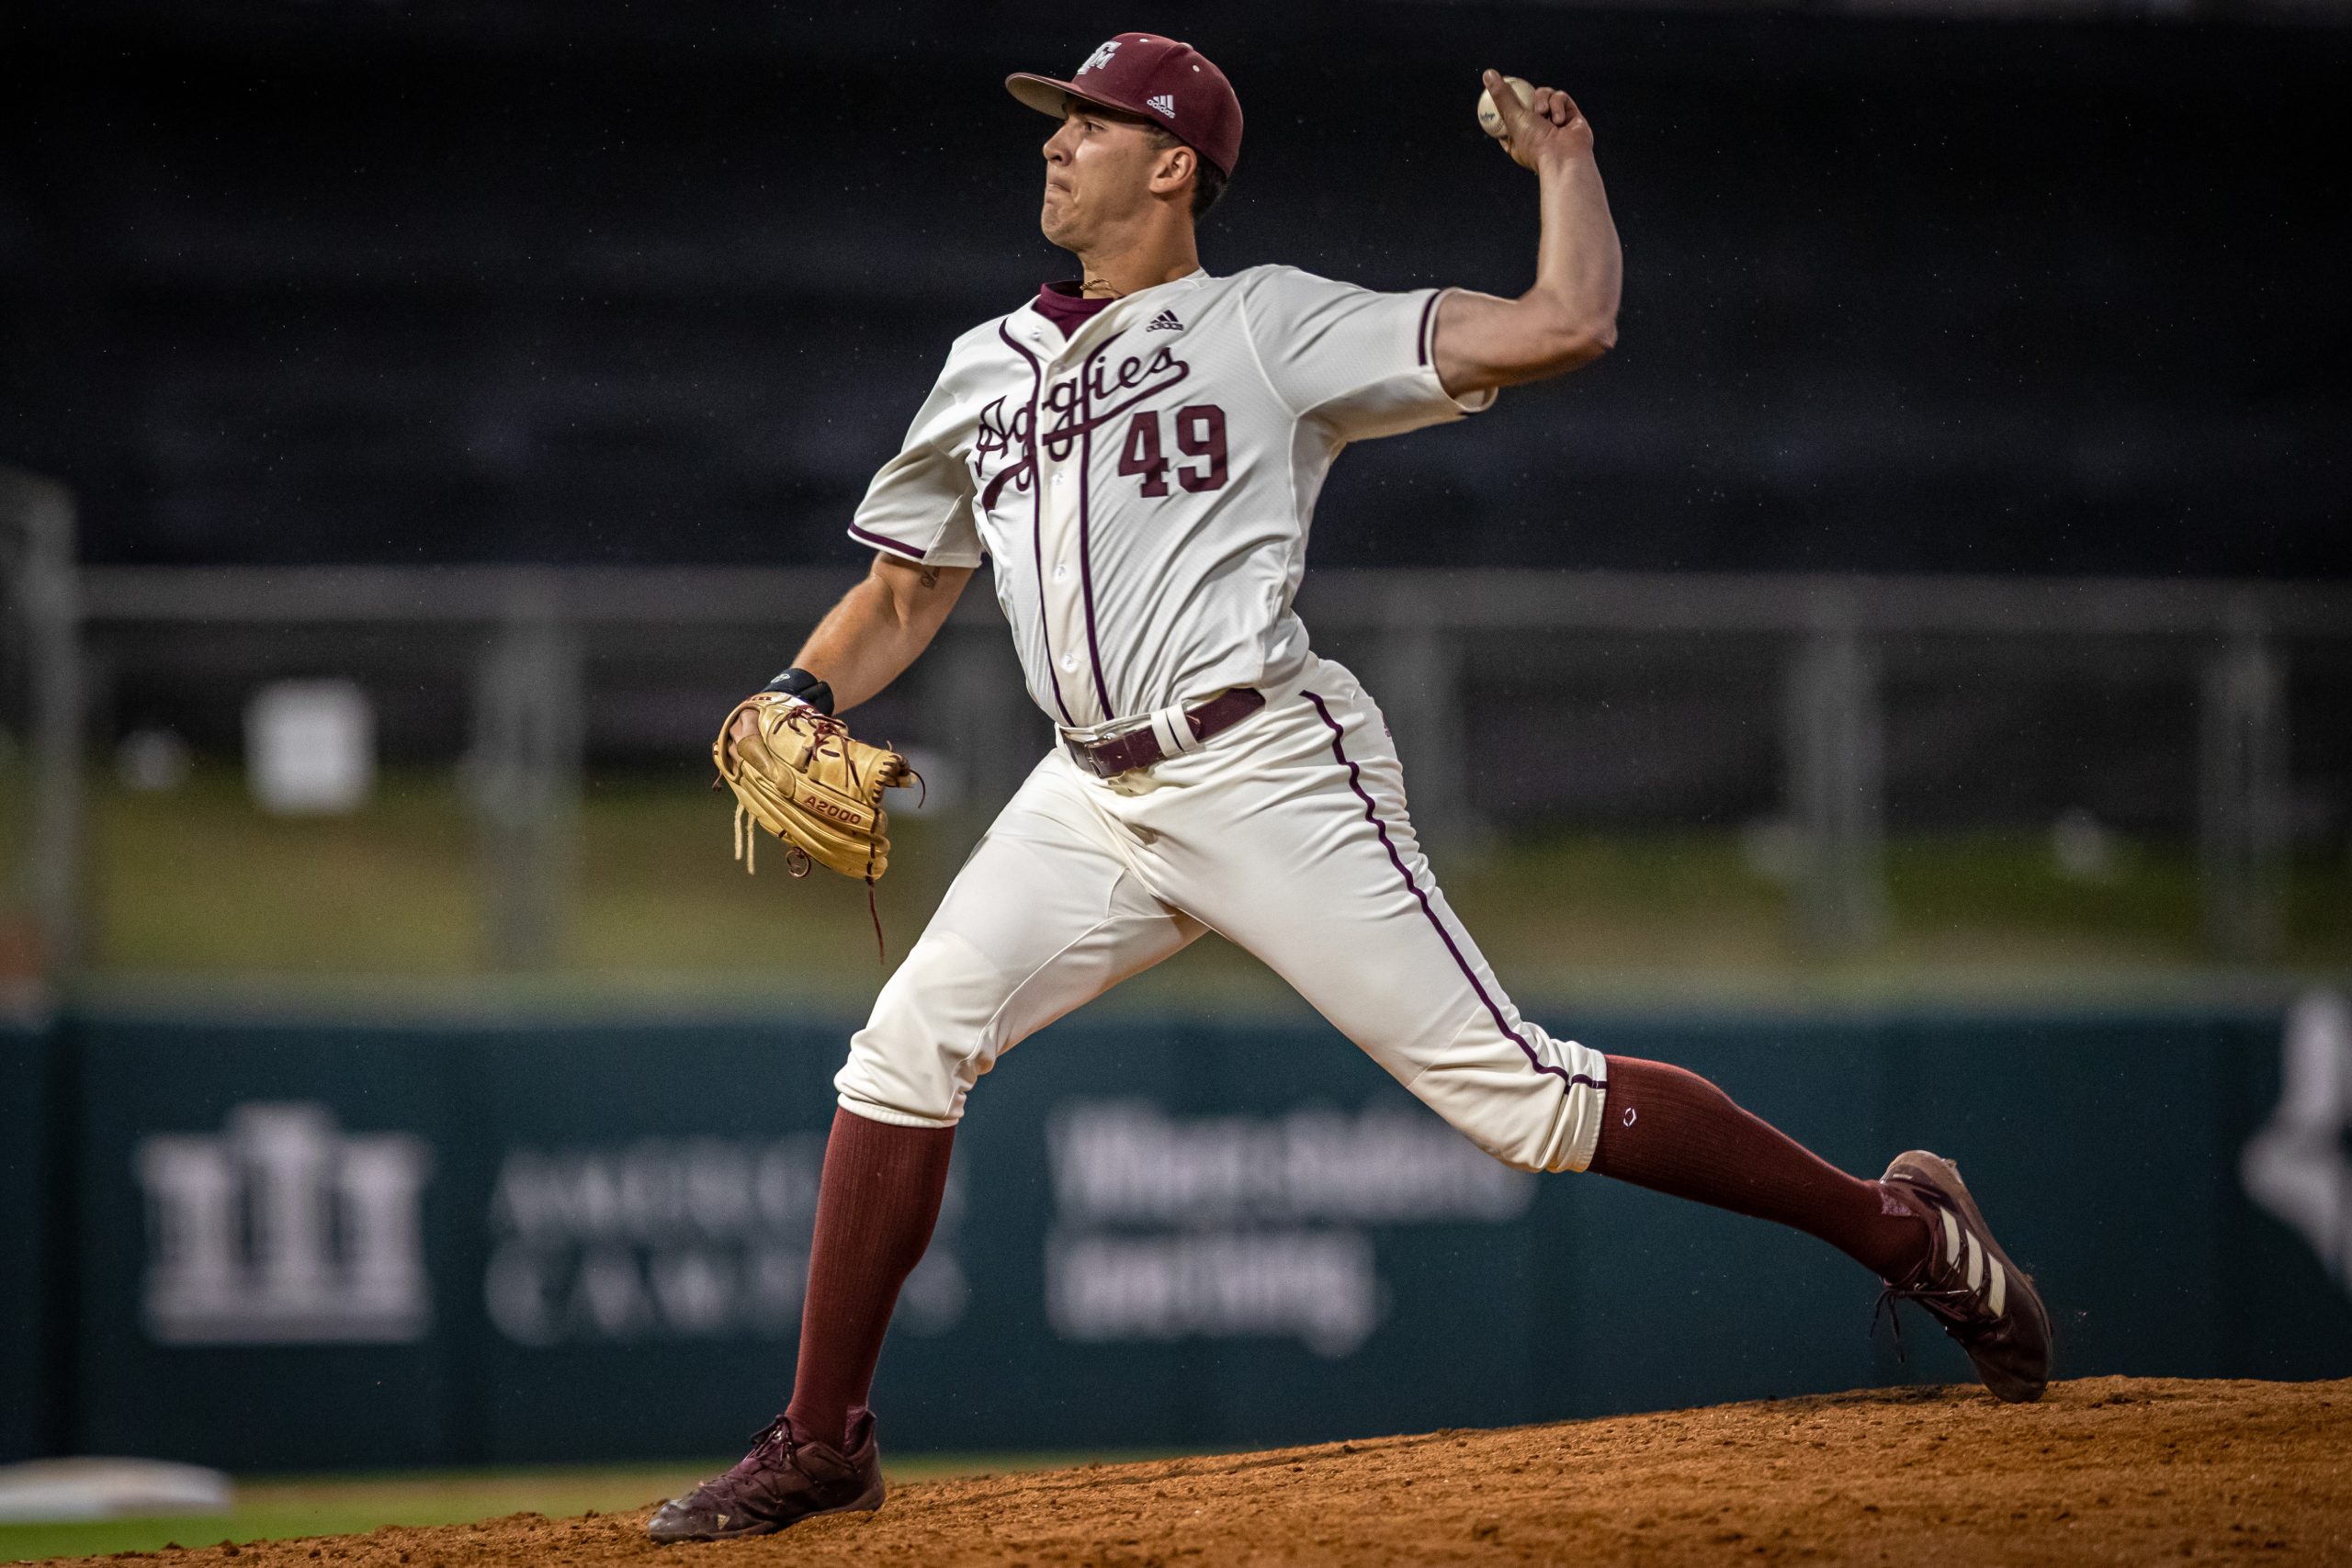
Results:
1288 835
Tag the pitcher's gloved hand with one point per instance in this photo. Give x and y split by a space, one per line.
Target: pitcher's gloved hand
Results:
799 773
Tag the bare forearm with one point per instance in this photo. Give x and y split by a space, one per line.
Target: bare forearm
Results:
1568 317
880 628
1579 266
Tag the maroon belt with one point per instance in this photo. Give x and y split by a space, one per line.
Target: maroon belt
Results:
1140 748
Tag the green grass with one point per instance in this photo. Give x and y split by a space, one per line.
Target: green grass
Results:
270 1508
197 886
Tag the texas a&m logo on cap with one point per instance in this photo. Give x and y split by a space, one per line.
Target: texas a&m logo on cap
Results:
1153 78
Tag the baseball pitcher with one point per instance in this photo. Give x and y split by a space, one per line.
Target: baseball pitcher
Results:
1138 450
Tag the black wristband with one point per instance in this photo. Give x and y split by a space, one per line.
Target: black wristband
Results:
798 683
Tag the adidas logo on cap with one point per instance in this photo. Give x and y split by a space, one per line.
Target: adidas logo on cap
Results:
1163 102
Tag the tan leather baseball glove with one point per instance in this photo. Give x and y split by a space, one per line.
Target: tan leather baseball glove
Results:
800 775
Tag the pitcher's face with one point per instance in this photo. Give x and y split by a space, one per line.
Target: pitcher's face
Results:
1099 168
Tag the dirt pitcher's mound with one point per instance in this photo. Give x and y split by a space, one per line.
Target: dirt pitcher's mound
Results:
2105 1469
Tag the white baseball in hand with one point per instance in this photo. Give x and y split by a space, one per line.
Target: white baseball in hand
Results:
1490 118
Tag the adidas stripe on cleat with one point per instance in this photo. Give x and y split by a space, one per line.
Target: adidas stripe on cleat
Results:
1968 1284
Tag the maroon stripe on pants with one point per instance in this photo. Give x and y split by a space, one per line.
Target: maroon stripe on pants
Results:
1372 815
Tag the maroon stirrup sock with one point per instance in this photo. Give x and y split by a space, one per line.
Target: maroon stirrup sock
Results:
876 1205
1675 1132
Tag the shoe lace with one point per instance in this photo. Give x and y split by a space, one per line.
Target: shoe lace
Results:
773 1441
1925 1295
1950 1301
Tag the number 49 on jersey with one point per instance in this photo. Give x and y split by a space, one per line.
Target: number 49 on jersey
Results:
1199 433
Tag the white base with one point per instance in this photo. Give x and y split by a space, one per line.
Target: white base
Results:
53 1490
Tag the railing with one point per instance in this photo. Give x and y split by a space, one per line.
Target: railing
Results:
530 641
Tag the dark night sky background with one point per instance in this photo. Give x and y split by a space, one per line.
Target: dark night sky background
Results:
601 283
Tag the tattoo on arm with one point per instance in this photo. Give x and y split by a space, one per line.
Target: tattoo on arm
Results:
928 577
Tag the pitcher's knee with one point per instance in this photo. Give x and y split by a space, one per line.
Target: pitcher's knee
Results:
899 1087
1531 1116
927 1041
1537 1135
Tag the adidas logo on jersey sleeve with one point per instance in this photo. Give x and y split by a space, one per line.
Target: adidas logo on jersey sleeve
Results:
1163 102
1165 321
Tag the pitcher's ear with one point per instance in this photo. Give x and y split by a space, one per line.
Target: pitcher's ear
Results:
1187 161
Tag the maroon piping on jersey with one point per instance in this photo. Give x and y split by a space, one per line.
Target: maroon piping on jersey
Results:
1372 815
1421 342
880 542
1085 551
1038 516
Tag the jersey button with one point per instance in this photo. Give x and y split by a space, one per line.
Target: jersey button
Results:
1061 572
1070 661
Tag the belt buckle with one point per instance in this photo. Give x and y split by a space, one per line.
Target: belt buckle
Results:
1092 753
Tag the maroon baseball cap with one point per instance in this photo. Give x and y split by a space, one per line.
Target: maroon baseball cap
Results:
1153 78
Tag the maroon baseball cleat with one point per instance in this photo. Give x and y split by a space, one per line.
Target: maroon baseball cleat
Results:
785 1479
1968 1283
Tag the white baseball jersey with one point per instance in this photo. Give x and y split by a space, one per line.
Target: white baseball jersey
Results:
1145 485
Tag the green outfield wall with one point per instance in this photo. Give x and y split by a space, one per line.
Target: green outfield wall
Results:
286 1245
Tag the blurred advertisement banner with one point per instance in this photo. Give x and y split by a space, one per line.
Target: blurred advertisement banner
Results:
309 1245
698 1238
285 1231
1253 1225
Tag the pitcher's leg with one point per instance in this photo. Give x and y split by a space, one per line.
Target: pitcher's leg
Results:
1319 876
1673 1131
1302 850
1916 1227
876 1203
1330 887
1044 917
1315 871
